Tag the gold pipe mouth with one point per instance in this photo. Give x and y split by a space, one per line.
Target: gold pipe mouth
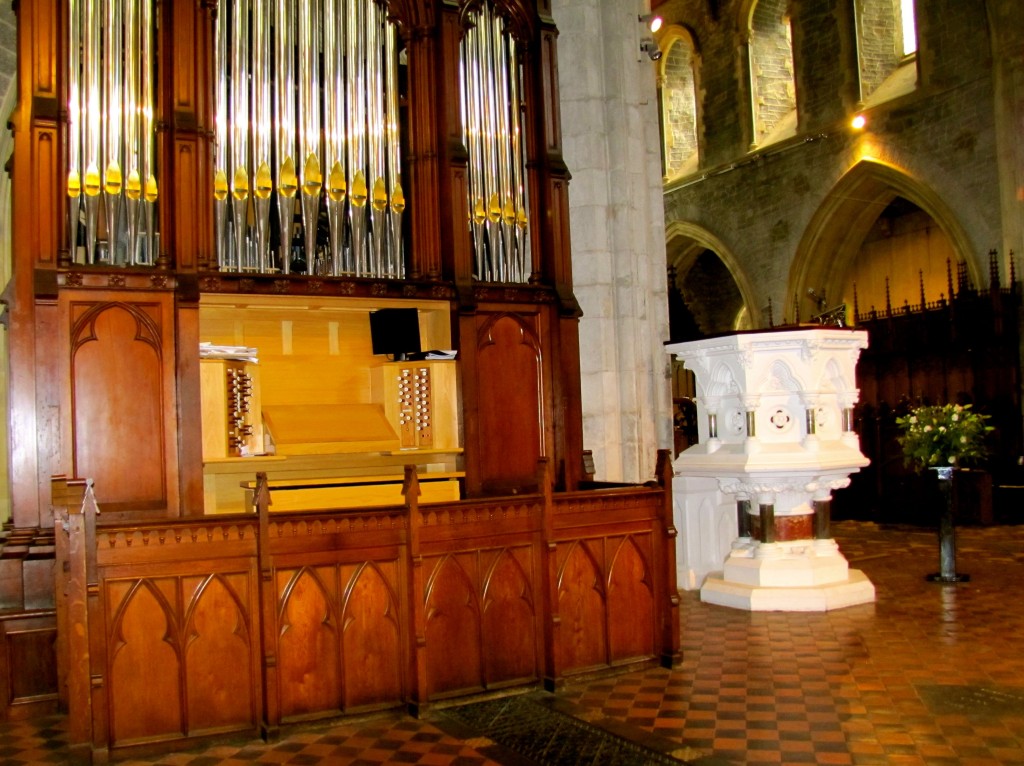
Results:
264 182
312 179
288 183
241 185
133 188
74 184
220 186
336 189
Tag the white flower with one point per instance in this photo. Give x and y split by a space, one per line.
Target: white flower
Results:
913 418
927 429
963 440
955 417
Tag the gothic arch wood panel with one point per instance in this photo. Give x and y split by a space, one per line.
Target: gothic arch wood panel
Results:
308 644
120 427
218 662
144 643
581 635
509 621
371 639
452 630
630 603
510 420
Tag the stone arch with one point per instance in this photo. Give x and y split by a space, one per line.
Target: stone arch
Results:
833 238
684 241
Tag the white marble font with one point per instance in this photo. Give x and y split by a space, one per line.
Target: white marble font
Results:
752 498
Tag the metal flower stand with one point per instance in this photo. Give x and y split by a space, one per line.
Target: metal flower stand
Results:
947 532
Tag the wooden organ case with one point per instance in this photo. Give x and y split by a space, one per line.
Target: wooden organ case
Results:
148 221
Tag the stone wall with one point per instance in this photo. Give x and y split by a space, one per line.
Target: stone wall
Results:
939 145
612 148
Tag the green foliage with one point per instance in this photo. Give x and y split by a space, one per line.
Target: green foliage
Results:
948 434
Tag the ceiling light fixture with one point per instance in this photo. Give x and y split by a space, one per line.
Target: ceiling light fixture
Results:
648 46
652 20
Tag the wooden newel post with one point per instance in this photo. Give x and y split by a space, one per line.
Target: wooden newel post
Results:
670 654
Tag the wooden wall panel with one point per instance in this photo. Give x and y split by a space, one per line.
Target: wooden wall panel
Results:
453 628
218 626
372 638
145 661
510 416
309 642
339 637
116 365
510 619
630 603
122 429
581 640
45 192
186 203
28 672
361 609
180 656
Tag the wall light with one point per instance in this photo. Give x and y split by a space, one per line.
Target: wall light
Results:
648 46
652 20
858 122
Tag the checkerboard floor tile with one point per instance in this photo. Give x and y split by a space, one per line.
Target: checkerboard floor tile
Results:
929 674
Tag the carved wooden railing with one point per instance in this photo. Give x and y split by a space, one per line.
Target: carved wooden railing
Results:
175 630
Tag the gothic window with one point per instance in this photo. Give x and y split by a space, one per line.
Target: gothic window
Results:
679 103
909 28
887 38
771 71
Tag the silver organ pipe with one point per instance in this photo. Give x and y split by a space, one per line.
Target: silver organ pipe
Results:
221 158
150 190
133 179
321 87
113 78
262 129
334 132
75 125
110 130
310 14
284 123
491 103
239 130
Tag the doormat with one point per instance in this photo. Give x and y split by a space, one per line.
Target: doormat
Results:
537 733
973 700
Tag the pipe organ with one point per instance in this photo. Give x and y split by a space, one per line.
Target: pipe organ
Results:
110 131
264 174
492 121
307 110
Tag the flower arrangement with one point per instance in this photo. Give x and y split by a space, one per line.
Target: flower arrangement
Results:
943 435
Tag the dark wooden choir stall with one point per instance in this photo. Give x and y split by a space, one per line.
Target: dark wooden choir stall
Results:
295 407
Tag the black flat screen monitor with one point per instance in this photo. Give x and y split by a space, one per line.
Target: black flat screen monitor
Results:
395 332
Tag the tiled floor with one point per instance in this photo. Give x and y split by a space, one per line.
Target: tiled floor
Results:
930 674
